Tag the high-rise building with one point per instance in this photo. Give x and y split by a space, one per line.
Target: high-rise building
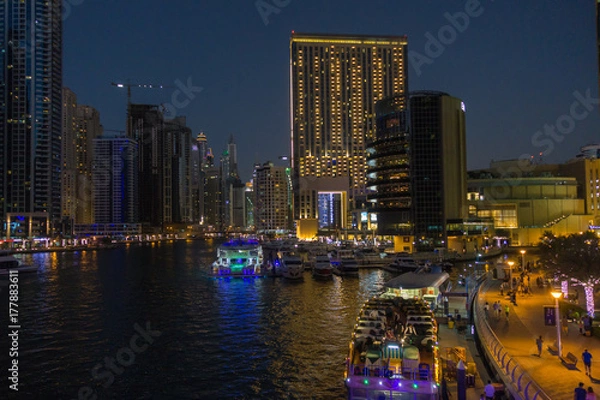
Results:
232 188
213 217
81 125
438 166
335 82
154 182
115 178
271 186
180 138
417 169
388 170
30 112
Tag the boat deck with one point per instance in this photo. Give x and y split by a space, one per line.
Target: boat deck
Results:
393 349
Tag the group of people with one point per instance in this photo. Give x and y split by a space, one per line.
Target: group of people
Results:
582 394
497 309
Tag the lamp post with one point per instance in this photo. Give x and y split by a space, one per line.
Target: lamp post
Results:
523 259
510 264
556 295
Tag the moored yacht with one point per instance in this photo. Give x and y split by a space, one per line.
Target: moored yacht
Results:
10 263
239 258
322 267
292 266
343 262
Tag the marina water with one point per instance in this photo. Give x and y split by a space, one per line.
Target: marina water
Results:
150 322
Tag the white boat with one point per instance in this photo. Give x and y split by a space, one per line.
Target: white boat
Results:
322 267
343 262
239 258
370 256
10 263
405 263
291 266
386 361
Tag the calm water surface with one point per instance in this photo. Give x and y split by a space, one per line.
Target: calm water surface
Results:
176 332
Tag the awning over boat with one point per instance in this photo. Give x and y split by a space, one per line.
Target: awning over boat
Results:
412 280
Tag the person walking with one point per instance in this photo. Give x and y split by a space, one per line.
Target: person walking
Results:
539 343
590 395
587 361
486 308
580 392
490 391
507 311
565 326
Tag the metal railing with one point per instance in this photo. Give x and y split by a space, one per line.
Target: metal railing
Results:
518 382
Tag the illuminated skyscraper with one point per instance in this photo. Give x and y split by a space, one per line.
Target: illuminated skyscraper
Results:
335 82
30 110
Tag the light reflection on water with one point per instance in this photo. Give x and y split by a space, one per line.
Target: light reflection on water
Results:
241 339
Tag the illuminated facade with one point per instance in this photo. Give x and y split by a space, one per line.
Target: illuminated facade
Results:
30 109
335 82
272 199
81 125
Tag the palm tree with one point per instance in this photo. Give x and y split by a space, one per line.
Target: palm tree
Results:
575 257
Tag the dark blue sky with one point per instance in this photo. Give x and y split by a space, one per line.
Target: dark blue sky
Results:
516 65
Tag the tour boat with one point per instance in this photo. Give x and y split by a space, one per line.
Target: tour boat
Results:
343 262
10 263
239 258
291 266
322 268
389 360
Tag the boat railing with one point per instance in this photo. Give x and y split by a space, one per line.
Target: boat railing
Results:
422 373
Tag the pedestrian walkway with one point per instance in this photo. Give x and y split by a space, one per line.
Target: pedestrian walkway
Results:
451 338
524 325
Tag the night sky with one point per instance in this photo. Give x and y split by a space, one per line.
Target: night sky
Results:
516 65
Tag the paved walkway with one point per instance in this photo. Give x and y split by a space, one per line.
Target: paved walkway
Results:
451 338
524 325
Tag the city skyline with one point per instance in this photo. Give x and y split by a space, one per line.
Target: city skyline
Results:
515 66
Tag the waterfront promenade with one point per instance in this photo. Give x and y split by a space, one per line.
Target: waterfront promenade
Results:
526 322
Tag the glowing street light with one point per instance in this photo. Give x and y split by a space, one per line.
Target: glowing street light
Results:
523 259
510 264
557 295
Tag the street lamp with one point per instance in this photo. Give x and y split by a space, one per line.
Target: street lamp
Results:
556 295
510 264
523 259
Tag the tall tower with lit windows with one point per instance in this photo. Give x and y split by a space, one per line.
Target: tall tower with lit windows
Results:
335 81
30 115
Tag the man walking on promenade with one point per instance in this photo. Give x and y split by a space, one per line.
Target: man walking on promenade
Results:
539 342
587 361
507 311
490 391
580 392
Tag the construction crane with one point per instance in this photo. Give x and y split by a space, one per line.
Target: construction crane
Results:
139 85
129 85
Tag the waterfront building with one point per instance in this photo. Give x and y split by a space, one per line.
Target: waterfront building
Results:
81 125
438 168
164 165
335 81
416 170
115 182
272 187
180 197
30 116
520 200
